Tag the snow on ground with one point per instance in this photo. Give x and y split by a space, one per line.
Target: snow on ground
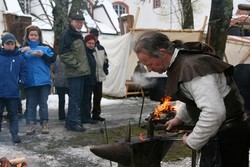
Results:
33 148
53 101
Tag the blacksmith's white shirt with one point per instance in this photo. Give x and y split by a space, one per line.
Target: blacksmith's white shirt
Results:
208 92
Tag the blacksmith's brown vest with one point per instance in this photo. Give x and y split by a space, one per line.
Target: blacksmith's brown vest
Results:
199 59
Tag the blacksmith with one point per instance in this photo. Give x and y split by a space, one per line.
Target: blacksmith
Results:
200 79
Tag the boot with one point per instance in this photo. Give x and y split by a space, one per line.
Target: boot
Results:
31 129
16 138
45 129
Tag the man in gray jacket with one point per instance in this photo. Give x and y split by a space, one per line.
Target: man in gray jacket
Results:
61 86
73 54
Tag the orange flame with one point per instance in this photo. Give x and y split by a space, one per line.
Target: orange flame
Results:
165 107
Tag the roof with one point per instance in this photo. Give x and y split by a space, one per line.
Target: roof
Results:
40 18
102 25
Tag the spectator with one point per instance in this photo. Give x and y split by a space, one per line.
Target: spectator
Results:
6 32
102 65
14 69
39 57
61 86
200 79
20 110
76 66
242 80
89 81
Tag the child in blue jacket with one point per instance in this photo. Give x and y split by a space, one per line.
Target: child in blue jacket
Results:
13 72
39 57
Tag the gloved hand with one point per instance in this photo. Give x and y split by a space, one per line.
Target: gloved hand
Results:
105 67
20 84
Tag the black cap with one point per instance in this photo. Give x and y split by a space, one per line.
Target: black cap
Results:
8 38
94 31
77 17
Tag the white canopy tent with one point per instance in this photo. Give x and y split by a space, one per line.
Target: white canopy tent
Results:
237 50
122 60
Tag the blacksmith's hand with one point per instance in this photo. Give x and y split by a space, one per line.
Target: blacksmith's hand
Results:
184 138
172 124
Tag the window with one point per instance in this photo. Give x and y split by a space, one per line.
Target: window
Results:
120 8
156 3
24 4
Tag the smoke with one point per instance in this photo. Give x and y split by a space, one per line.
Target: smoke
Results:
142 80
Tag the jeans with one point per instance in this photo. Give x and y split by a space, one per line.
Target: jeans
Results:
86 103
37 95
75 96
19 106
61 92
11 105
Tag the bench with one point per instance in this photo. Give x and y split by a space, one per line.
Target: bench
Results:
133 89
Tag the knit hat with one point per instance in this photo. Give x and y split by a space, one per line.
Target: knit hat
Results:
94 31
89 37
8 38
77 17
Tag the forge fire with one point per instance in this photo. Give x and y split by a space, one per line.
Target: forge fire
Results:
165 110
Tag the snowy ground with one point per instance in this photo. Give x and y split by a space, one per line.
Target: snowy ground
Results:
34 148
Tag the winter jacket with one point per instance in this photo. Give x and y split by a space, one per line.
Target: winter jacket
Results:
72 53
91 78
59 79
13 71
39 67
102 63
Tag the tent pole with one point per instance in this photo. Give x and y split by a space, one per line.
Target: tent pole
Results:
203 29
226 59
136 19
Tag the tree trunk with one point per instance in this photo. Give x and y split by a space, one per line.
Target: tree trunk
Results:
62 16
220 17
61 21
187 12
